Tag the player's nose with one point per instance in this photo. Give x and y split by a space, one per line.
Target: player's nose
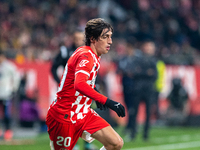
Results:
110 40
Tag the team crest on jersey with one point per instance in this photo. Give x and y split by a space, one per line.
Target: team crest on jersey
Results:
83 63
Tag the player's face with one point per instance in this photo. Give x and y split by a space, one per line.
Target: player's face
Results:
102 45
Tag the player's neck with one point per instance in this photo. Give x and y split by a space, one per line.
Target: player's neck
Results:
94 49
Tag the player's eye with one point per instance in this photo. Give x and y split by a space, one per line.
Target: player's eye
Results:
104 37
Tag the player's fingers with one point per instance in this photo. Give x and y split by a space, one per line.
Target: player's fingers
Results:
101 106
104 107
119 112
98 105
122 110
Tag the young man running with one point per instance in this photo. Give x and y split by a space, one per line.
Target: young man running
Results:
70 116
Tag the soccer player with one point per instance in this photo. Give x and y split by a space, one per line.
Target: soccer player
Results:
70 116
60 61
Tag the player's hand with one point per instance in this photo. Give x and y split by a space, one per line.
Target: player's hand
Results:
117 107
101 106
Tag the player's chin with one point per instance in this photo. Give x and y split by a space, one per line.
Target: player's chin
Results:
106 51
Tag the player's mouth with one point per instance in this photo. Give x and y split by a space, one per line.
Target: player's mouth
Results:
108 48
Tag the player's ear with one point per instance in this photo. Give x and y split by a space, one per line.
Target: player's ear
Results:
92 39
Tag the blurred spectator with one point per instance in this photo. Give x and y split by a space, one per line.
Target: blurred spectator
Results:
159 84
144 73
178 109
64 54
28 110
9 82
127 82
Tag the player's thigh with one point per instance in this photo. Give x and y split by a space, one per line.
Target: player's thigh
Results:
107 136
62 135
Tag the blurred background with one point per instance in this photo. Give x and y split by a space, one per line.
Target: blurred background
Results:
156 43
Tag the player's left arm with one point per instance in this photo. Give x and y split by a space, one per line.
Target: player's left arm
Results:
82 72
80 84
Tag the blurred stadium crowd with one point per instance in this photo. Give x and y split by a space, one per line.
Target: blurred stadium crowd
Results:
34 29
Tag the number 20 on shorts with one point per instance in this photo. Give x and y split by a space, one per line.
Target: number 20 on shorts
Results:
61 141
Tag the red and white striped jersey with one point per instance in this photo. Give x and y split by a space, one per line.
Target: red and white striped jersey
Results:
75 92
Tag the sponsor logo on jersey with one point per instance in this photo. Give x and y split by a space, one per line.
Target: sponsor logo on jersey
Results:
83 63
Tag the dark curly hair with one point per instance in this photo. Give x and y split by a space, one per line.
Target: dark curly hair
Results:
94 28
